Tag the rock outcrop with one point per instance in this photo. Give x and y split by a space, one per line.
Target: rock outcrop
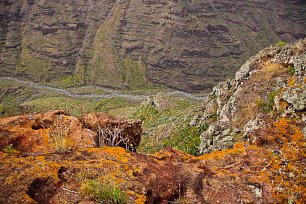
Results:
57 131
270 84
129 131
186 45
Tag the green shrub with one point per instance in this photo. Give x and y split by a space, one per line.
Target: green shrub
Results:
70 81
281 43
6 110
272 95
103 192
148 114
214 116
188 139
267 105
291 69
9 149
261 104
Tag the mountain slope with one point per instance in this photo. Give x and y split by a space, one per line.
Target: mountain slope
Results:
270 85
187 45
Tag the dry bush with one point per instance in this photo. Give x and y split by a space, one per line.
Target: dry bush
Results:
112 137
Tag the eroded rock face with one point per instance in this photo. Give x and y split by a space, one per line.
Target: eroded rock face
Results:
187 45
58 131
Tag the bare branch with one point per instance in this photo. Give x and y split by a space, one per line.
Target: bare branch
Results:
112 137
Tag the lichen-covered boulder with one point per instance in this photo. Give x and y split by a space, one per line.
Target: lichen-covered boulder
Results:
58 131
45 132
129 131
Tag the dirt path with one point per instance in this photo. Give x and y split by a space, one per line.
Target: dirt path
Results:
114 93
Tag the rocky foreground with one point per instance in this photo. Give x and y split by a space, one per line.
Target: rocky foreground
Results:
269 170
255 150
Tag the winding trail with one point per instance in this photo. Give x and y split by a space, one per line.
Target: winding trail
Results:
97 96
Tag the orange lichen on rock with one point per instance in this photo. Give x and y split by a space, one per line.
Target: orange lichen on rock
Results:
57 131
283 105
274 164
288 164
216 156
268 169
284 146
172 154
292 81
118 153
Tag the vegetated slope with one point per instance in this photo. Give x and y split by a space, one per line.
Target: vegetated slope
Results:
187 45
21 97
270 84
52 164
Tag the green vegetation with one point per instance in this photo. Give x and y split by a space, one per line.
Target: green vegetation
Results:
148 114
133 73
32 66
11 95
166 123
261 104
76 80
103 67
79 75
6 110
77 107
281 43
267 104
105 192
108 104
16 98
214 116
9 149
291 69
188 139
68 81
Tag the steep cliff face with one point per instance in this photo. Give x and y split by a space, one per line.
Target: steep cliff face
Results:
187 45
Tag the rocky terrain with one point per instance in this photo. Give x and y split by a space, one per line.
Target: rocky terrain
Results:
253 140
35 170
268 84
186 45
